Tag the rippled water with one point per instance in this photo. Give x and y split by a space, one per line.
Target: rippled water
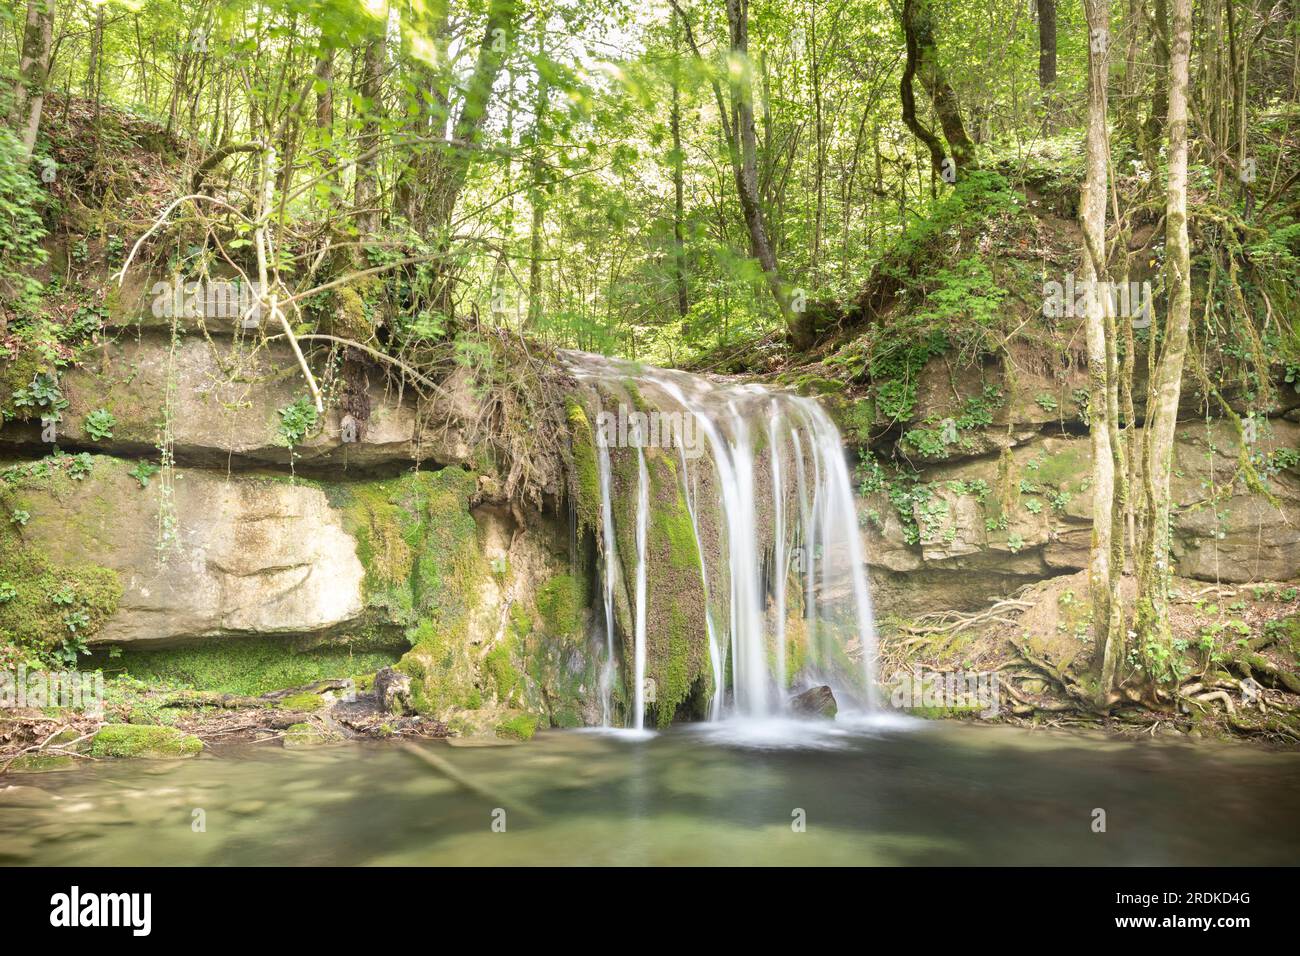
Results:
894 792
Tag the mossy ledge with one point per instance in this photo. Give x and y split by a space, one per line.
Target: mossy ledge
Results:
134 740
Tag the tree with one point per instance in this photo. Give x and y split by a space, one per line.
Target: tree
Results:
33 70
453 160
737 118
366 189
1106 557
1046 44
539 185
1166 384
923 63
680 287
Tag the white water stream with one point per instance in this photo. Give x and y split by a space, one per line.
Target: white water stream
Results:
770 468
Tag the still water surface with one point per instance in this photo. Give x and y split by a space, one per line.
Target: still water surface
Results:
891 792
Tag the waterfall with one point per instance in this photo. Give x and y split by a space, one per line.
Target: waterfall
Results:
642 531
764 479
611 569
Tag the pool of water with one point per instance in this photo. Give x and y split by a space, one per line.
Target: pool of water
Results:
872 792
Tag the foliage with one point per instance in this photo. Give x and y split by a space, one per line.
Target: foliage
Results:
21 227
297 419
100 424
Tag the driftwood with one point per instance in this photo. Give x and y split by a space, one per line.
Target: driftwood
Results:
448 770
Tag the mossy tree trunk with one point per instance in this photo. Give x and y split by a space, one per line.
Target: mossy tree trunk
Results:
1106 559
1166 384
1160 61
923 63
33 70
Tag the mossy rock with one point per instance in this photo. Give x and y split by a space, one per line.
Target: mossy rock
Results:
424 567
500 673
304 701
45 600
585 477
560 604
135 740
517 727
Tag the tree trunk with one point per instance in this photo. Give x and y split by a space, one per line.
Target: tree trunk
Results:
537 192
1166 384
679 186
923 64
366 188
819 167
1160 63
1046 44
744 151
1103 577
33 71
324 72
452 165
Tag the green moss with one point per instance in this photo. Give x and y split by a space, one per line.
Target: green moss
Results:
49 603
674 526
134 740
350 320
442 671
15 373
1067 467
304 701
560 604
586 469
676 649
518 727
500 673
521 624
856 419
675 667
418 544
247 667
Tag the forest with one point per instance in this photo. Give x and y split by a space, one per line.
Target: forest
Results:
322 325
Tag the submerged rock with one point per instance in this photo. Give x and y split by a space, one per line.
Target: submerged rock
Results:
815 702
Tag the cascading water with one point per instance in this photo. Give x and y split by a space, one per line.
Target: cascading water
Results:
763 477
610 576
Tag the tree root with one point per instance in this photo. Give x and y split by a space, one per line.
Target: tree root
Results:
1071 687
63 749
